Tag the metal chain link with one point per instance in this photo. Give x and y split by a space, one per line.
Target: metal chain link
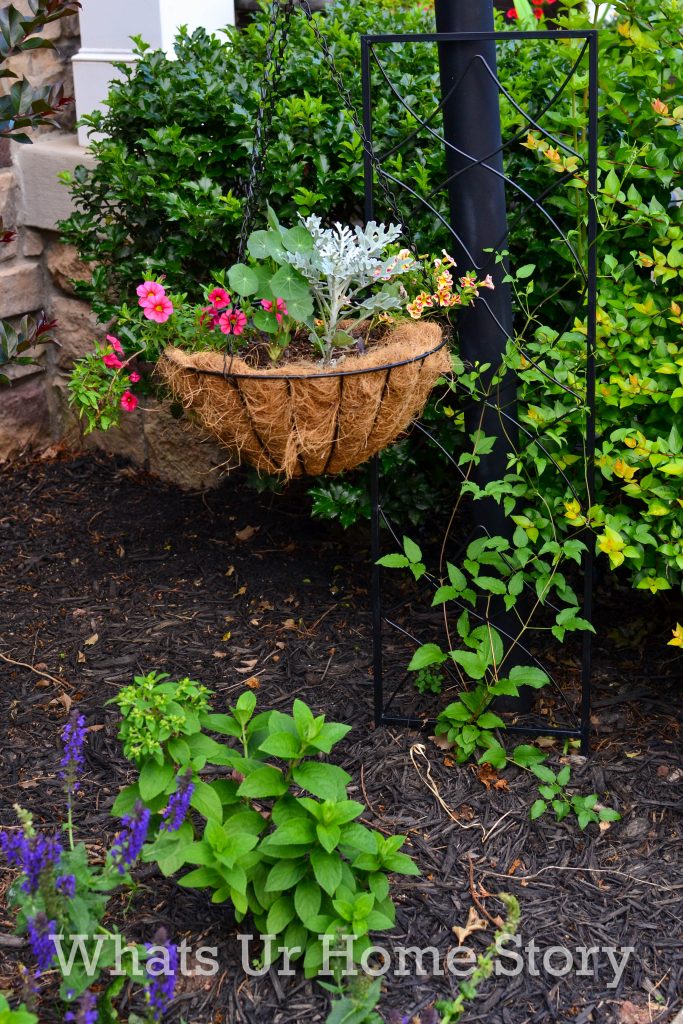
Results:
272 67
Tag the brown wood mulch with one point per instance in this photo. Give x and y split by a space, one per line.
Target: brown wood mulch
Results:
105 572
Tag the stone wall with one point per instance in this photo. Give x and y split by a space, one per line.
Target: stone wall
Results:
36 271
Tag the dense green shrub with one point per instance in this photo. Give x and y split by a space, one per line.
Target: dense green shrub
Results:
167 195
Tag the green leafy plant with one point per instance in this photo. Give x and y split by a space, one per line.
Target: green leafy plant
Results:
281 839
61 896
15 340
553 794
24 106
356 1002
18 1016
452 1010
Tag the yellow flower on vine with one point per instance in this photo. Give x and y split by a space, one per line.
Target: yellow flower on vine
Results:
612 544
573 510
677 638
623 470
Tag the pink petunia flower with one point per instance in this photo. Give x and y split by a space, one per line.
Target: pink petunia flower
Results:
159 311
280 306
239 321
128 401
112 362
149 292
115 344
134 377
219 298
233 322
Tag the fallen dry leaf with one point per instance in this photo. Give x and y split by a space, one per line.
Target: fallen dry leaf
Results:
517 863
246 534
248 665
442 742
80 658
487 774
474 924
630 1013
220 654
92 640
252 682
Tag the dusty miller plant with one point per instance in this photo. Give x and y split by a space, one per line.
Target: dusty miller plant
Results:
339 267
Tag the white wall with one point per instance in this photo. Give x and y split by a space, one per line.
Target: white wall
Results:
106 29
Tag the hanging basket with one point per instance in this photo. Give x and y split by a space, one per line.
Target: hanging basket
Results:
297 419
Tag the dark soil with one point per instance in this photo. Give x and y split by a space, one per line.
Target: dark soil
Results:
105 573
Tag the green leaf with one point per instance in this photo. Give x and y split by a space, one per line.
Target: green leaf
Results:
281 744
285 875
326 781
328 836
525 755
529 675
393 561
243 280
538 807
490 721
327 870
413 552
155 778
297 239
525 271
474 663
262 244
125 801
428 654
307 899
263 782
280 914
200 878
288 284
296 831
265 321
205 800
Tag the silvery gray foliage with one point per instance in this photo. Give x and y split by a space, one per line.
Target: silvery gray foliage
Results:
341 266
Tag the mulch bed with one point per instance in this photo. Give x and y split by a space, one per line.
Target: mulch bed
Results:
105 573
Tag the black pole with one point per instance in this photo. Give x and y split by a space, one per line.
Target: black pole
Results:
476 188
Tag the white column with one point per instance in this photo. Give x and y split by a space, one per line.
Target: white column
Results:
106 29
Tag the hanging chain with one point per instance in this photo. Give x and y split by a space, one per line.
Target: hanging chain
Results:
272 67
357 123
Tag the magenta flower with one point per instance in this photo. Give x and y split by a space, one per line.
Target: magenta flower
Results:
149 292
232 322
129 402
280 307
112 362
134 377
115 344
159 311
219 298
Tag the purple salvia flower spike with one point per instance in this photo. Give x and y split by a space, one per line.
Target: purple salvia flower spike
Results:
178 804
160 986
129 841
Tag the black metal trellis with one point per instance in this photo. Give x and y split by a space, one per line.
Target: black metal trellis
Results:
376 163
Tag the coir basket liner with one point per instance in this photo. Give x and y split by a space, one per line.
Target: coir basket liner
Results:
299 419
